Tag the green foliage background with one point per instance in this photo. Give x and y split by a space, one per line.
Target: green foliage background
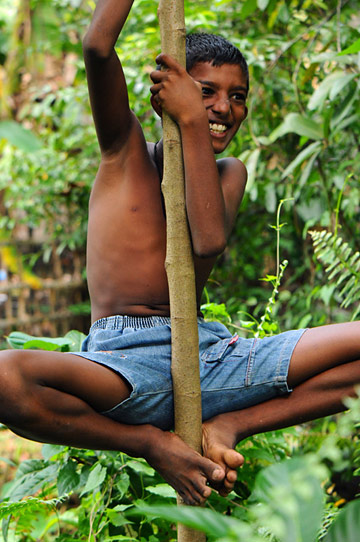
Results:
301 147
299 143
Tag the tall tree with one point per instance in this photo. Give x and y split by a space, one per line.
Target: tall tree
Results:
179 263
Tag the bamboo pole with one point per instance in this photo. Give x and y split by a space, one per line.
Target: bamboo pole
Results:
179 263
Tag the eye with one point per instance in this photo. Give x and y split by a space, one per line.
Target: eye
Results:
238 97
207 91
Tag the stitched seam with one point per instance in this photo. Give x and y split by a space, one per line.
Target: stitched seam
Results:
250 363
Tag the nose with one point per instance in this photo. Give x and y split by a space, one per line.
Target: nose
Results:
221 105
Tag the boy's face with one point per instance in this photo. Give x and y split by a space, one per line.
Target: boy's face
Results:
224 92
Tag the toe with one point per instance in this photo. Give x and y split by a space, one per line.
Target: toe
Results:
231 477
217 474
233 459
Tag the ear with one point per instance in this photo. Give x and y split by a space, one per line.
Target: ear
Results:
156 107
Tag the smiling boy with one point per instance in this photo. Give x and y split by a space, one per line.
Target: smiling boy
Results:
117 393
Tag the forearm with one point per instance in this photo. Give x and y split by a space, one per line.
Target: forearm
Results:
107 22
204 198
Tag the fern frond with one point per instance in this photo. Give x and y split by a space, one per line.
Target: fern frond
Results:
342 264
29 505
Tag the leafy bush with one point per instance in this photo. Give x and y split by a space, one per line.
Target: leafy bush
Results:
103 496
73 494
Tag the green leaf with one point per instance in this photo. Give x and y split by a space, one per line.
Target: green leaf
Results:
208 521
312 210
269 278
31 504
116 516
68 479
120 537
308 168
7 461
251 160
96 477
326 293
122 483
354 48
31 476
17 339
300 125
345 109
140 467
294 494
76 338
163 490
303 155
19 136
329 87
50 450
340 84
46 343
346 526
248 8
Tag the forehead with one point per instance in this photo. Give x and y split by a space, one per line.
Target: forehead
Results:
228 75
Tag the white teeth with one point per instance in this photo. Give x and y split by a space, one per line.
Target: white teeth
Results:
219 128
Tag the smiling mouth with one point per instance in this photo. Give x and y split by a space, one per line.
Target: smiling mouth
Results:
216 128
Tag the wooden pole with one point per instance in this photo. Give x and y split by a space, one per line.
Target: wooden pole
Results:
179 263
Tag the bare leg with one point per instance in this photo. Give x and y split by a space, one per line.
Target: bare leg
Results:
324 368
56 398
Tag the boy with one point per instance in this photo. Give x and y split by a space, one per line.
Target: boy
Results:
117 393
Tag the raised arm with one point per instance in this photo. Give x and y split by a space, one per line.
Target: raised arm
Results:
107 86
213 190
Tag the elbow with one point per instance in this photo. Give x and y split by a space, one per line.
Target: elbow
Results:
93 49
209 248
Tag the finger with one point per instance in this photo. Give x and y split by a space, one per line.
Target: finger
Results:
155 89
156 76
167 61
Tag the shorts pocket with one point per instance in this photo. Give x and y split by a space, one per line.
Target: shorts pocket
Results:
219 350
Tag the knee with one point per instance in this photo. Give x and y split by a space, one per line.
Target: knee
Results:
14 387
11 365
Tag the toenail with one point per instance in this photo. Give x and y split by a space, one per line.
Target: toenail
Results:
218 474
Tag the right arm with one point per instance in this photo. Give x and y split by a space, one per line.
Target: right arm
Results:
107 86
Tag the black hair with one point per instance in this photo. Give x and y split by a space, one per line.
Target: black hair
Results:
203 47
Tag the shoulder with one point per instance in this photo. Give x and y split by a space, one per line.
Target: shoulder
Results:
233 174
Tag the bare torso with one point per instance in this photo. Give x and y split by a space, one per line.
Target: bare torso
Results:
127 226
127 238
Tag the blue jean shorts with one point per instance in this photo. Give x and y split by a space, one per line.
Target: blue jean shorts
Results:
235 373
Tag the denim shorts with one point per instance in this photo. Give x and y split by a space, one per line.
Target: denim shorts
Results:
235 373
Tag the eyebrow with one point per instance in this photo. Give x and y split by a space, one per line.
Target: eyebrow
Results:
212 84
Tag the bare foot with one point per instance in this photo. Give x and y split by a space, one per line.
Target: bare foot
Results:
218 442
184 469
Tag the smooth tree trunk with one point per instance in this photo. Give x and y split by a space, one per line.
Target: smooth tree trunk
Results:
179 263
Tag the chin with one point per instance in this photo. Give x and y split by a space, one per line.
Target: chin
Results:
219 147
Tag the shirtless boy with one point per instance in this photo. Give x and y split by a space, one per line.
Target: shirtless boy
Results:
84 399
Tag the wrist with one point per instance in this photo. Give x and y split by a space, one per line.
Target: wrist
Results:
196 117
